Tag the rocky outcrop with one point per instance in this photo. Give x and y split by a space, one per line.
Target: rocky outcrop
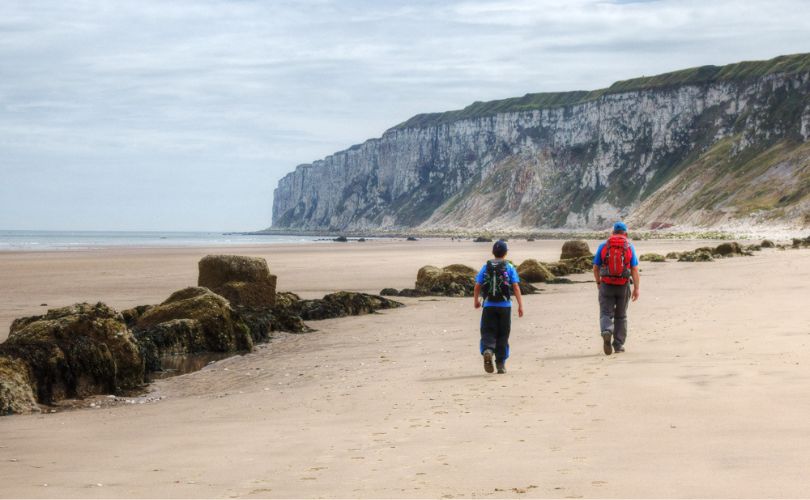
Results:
534 272
704 146
244 281
575 248
340 304
191 320
652 257
70 352
16 387
449 282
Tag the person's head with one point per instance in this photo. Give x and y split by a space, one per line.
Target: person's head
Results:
499 249
620 228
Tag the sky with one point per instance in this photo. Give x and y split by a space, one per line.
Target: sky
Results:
183 115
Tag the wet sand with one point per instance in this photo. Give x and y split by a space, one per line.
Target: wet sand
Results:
710 400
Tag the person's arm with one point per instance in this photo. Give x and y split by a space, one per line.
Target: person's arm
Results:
476 293
596 276
519 297
636 282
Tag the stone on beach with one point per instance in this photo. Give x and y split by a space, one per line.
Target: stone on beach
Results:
575 248
75 351
652 257
16 388
340 304
534 272
191 320
244 281
452 281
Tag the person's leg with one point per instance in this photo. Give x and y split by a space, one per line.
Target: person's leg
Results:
607 306
504 328
489 335
620 318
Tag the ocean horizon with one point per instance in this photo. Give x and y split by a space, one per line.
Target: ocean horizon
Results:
22 240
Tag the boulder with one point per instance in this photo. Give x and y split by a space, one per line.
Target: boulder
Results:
575 248
244 281
410 238
16 387
431 280
340 304
652 257
191 320
341 239
700 255
728 249
482 239
527 288
571 266
460 268
767 244
801 242
411 292
390 292
535 272
74 351
674 255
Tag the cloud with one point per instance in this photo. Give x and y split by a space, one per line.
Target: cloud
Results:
192 97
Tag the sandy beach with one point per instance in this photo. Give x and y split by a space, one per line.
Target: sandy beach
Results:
710 400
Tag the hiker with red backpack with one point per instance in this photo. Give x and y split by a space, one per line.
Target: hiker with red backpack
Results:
496 282
615 267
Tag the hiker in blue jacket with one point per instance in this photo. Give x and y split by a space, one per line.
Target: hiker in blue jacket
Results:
614 264
496 281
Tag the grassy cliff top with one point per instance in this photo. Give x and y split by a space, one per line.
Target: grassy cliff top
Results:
693 76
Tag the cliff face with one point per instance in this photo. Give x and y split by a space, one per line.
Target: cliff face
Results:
702 147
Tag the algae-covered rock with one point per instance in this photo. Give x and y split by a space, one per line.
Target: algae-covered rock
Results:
801 242
767 244
533 271
286 299
76 351
674 255
460 268
728 249
16 392
340 304
482 239
244 281
411 292
696 256
431 280
652 257
131 315
575 248
191 320
571 266
390 292
527 288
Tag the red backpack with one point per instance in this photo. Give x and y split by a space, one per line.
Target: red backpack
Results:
616 259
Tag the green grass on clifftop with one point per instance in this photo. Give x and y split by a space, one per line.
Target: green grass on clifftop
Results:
796 63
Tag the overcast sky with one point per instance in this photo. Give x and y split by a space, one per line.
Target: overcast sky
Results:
183 115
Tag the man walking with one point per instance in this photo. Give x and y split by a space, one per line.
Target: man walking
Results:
614 264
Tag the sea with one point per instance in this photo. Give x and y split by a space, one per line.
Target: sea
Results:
78 240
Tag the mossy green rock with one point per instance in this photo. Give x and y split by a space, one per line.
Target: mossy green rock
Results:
191 320
652 257
340 304
431 280
575 248
16 393
571 266
534 272
728 249
696 256
76 351
244 281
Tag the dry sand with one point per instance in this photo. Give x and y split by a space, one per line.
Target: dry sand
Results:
711 398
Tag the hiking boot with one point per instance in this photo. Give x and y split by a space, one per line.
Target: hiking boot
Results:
618 348
488 361
501 368
606 338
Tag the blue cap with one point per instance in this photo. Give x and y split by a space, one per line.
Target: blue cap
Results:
620 226
499 247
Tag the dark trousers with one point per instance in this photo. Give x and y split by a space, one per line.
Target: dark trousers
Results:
613 302
496 322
